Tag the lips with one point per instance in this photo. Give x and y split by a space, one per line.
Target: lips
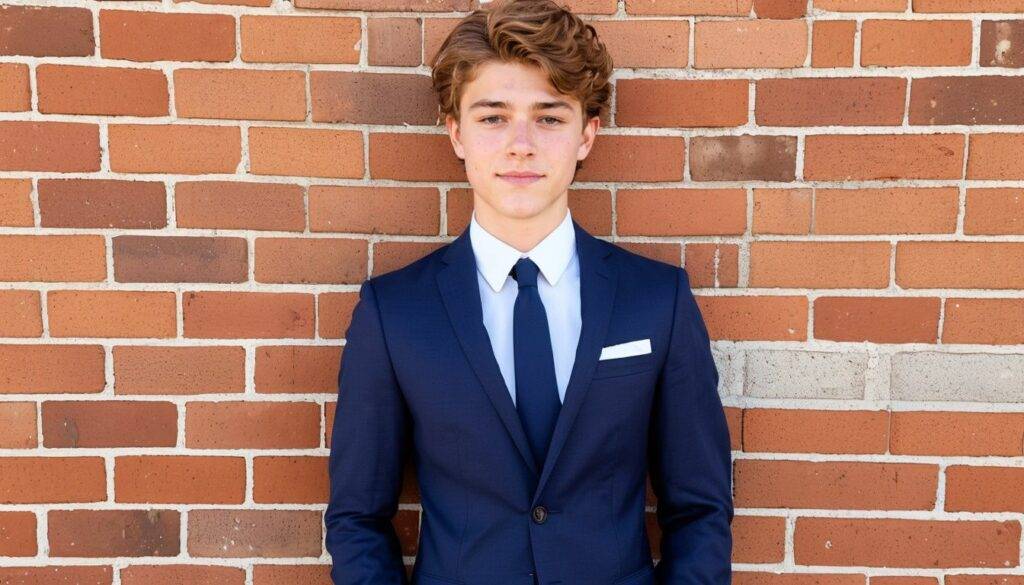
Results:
520 178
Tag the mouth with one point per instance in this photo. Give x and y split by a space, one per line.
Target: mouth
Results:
521 178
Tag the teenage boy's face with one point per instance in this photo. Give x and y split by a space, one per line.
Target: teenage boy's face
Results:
535 130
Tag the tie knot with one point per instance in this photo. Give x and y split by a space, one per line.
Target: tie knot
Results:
525 272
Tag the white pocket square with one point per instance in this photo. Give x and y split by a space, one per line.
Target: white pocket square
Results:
638 347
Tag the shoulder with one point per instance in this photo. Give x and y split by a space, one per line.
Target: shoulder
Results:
409 278
642 269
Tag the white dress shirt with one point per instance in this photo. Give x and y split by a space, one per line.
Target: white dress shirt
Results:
559 290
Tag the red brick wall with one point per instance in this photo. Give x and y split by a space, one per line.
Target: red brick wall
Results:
191 194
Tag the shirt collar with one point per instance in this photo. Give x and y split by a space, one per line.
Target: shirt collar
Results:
495 258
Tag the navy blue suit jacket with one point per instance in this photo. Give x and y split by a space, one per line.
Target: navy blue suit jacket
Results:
418 379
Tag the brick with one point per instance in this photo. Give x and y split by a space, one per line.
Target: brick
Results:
229 315
290 480
334 313
254 533
180 259
112 313
947 434
379 6
315 152
690 7
989 265
52 258
835 485
186 479
775 430
374 210
43 480
1002 43
782 211
812 264
104 91
982 99
114 533
832 43
181 574
240 94
18 425
16 203
861 5
754 578
897 542
712 265
252 425
64 147
993 156
923 43
755 318
298 39
968 377
159 36
285 574
968 5
109 423
174 148
311 260
758 539
394 41
663 252
18 534
372 98
729 44
15 90
46 31
853 101
984 489
239 205
178 370
743 158
296 369
388 256
20 313
877 319
896 210
28 369
994 211
780 8
57 575
805 374
988 321
646 43
417 157
680 103
102 203
879 156
676 212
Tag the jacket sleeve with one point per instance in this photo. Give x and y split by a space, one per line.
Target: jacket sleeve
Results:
368 452
690 456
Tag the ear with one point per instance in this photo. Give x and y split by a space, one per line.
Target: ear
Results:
453 134
589 134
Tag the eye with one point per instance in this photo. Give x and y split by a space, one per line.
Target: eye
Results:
556 120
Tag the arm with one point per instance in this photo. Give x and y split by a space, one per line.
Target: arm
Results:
368 448
690 456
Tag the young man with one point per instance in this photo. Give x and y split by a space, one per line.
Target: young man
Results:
534 373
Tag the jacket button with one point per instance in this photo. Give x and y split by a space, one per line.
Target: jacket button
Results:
540 514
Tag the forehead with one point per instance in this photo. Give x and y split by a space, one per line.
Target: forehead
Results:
517 84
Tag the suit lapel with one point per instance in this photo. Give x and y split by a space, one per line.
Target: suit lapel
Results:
460 292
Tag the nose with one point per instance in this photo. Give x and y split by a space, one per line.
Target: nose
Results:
521 141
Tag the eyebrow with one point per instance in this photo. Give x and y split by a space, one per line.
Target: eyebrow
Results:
486 103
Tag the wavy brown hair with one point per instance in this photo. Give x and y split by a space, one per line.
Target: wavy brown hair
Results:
533 32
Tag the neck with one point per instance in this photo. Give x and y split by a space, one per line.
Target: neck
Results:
522 233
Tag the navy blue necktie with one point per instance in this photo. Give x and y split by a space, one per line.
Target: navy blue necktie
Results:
536 386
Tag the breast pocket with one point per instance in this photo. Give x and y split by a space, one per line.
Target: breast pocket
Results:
624 366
